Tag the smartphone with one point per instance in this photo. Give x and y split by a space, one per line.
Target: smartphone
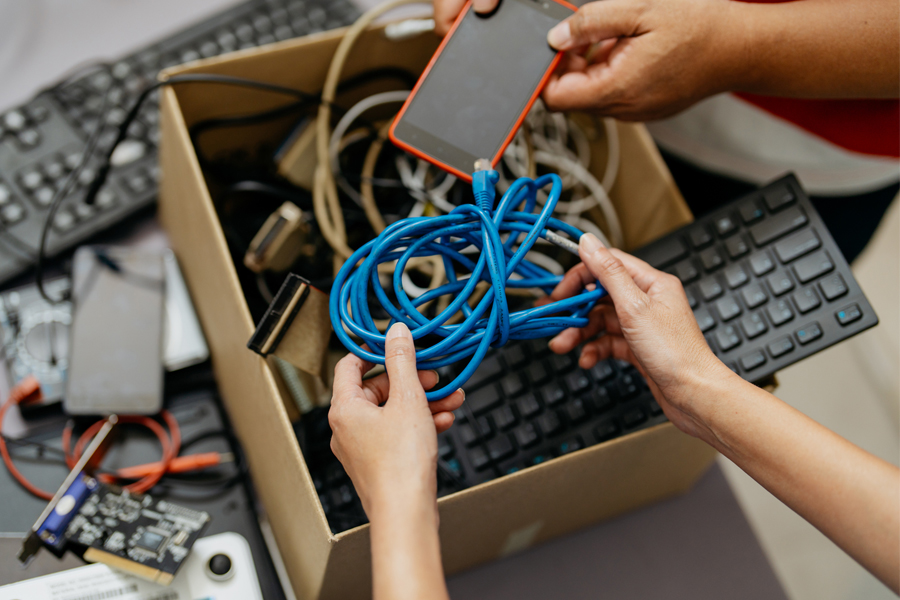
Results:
480 85
116 342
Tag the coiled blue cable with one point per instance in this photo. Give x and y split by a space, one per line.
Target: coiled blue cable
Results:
446 236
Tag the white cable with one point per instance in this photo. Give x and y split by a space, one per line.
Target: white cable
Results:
334 145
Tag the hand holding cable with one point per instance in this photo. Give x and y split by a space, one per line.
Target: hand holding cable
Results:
500 263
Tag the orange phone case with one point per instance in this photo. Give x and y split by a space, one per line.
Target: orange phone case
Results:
494 159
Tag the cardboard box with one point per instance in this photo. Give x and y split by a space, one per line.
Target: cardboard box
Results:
479 524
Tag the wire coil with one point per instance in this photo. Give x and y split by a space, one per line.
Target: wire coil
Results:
501 263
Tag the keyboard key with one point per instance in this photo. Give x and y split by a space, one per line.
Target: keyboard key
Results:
779 197
575 411
686 271
512 385
751 211
445 447
527 435
504 417
553 393
537 372
106 198
848 314
700 237
753 360
600 400
691 297
606 430
737 246
31 180
55 170
549 423
489 368
761 263
665 252
780 313
63 221
807 300
654 408
780 283
727 338
736 276
778 225
570 445
578 382
728 308
43 196
14 121
704 320
833 287
28 139
710 289
602 371
501 448
797 245
808 334
725 225
813 266
627 387
754 295
479 458
780 347
470 436
484 399
516 355
711 259
633 417
563 363
5 195
528 405
11 214
753 326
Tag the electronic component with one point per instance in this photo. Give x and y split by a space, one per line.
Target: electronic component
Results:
480 85
132 532
118 298
279 241
296 328
296 159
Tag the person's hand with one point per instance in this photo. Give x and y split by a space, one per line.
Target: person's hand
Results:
647 321
446 11
384 430
639 60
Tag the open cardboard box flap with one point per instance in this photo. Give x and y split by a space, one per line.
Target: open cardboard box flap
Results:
481 523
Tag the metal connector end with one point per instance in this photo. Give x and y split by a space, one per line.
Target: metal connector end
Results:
564 243
483 164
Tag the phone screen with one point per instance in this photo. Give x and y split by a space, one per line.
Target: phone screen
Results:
481 83
115 353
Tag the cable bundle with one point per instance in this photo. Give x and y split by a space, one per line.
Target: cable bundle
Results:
500 262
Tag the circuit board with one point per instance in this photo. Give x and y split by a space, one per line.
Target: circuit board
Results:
136 533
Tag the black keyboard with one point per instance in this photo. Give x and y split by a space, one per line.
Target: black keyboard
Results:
766 280
41 142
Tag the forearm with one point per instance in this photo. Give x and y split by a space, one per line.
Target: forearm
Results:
406 553
814 48
850 495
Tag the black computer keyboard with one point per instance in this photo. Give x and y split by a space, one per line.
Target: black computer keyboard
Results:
41 141
768 286
766 280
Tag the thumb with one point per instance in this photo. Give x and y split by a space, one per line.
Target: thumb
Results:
593 23
609 271
400 362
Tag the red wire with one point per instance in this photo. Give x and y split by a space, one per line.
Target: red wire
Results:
170 441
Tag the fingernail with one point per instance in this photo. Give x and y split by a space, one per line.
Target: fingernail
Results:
483 6
560 37
463 393
551 343
437 376
589 243
397 330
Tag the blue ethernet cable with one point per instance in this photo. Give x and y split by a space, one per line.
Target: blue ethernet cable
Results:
479 225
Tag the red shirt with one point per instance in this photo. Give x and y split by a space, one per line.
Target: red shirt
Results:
865 126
